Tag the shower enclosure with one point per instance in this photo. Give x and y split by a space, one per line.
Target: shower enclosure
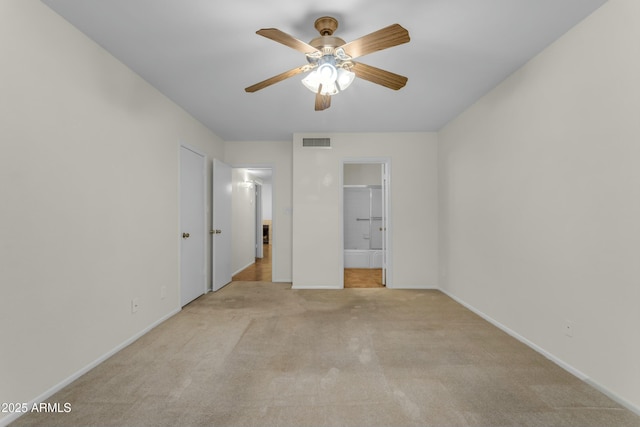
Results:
363 211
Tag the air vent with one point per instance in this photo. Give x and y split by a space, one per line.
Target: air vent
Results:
316 142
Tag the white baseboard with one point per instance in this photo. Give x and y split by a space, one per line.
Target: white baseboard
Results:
520 338
246 266
419 288
611 395
564 365
56 388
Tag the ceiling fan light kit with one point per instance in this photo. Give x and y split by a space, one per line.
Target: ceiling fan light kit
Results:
330 64
332 79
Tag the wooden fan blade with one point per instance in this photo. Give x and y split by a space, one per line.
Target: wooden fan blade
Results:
387 37
287 40
379 76
322 101
276 79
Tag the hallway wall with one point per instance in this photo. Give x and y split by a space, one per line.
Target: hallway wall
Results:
243 221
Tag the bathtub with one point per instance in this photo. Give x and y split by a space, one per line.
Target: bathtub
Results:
362 258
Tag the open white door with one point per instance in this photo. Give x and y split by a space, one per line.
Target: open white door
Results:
385 198
192 225
221 251
259 232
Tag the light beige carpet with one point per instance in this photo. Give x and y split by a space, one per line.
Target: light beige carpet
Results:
261 354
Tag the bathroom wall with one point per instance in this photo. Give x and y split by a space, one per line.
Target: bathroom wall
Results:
362 174
363 211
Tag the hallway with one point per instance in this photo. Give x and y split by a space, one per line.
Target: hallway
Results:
260 271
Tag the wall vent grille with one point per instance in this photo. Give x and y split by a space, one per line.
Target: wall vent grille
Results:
316 142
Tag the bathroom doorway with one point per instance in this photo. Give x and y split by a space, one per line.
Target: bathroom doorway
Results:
365 224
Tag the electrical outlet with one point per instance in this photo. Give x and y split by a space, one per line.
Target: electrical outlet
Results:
135 304
163 292
568 328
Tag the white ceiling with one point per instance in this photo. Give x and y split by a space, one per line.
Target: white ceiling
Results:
203 53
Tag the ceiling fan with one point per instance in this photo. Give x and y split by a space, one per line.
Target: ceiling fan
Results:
330 61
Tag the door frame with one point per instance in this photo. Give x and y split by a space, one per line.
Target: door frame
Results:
274 240
193 149
388 232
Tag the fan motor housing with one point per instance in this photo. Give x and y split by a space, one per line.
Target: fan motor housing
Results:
326 25
325 43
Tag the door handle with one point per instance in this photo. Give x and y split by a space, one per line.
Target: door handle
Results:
215 231
185 235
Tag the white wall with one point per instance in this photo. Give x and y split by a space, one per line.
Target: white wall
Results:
275 155
243 221
89 158
267 205
362 174
540 200
317 220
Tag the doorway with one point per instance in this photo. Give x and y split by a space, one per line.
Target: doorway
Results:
365 193
258 181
